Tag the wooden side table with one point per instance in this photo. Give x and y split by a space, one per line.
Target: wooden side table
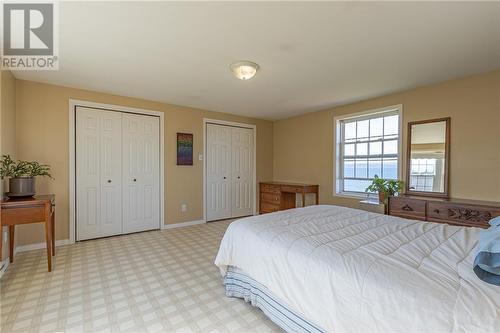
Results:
37 209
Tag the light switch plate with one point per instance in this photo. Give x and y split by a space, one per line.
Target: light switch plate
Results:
200 157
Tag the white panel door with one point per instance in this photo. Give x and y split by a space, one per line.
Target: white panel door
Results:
140 176
218 172
131 171
98 159
242 172
150 178
111 173
88 183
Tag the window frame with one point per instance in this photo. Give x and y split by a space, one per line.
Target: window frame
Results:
337 145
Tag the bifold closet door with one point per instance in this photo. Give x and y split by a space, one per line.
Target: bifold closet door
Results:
218 172
140 176
229 172
241 172
98 173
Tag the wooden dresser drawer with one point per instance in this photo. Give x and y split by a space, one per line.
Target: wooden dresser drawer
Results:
266 207
407 207
24 214
269 188
291 189
461 214
273 198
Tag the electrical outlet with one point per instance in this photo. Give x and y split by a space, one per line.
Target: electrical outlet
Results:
184 208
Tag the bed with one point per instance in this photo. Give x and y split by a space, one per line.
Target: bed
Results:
335 269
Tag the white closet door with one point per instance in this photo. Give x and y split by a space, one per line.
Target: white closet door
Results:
111 173
218 172
150 178
98 159
88 193
242 172
140 175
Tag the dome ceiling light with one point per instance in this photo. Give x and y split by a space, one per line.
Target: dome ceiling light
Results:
244 70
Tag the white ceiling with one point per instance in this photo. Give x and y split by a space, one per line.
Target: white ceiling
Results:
312 55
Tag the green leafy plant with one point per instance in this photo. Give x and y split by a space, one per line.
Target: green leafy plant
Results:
385 187
12 169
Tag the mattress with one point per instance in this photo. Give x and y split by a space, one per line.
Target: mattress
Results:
347 270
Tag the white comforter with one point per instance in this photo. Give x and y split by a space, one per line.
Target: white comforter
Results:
349 270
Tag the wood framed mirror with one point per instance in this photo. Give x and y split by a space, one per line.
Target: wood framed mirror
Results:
428 158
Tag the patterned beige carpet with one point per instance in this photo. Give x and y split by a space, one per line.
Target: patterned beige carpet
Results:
158 281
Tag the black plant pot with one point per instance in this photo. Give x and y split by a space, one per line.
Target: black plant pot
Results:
21 187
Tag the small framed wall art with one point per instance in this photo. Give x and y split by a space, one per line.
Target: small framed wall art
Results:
184 149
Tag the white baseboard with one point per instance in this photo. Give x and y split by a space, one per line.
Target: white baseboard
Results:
183 224
38 246
29 247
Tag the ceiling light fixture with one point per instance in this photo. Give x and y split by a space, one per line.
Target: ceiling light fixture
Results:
244 70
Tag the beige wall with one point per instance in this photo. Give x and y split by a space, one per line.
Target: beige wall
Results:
42 134
8 117
7 126
296 149
303 145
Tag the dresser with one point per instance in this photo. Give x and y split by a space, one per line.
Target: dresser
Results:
275 196
461 212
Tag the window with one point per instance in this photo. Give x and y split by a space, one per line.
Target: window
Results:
367 145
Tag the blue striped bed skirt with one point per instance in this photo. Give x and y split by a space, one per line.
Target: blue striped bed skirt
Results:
240 285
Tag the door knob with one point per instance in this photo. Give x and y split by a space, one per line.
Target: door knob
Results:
135 180
224 177
109 180
238 177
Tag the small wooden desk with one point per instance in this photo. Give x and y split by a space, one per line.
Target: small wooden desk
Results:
276 196
35 209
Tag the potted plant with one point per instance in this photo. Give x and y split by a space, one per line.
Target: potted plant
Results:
22 175
385 187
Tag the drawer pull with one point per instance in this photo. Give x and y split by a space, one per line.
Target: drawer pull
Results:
436 211
407 208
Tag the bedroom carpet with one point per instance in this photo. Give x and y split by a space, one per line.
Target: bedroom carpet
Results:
158 281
